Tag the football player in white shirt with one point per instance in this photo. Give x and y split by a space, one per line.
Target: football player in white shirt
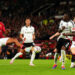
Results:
73 44
27 35
63 41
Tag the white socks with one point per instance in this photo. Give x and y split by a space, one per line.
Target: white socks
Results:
32 57
55 58
17 55
63 55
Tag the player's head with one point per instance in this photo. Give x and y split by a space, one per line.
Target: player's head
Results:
27 21
66 17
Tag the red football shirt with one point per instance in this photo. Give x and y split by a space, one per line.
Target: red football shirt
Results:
2 29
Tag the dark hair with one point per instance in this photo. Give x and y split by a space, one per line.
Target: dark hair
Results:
27 18
67 17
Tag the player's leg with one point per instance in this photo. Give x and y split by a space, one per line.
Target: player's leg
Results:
27 49
32 56
55 57
11 40
62 51
63 57
55 60
16 56
35 49
65 46
57 50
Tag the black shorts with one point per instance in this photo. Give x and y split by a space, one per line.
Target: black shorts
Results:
62 42
28 44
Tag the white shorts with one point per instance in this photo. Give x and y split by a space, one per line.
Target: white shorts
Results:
37 49
28 49
73 44
3 41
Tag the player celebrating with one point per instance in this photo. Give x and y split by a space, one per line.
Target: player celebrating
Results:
27 34
63 41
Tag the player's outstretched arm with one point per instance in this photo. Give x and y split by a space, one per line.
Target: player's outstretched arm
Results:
56 34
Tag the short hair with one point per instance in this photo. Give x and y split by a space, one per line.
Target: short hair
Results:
67 17
27 18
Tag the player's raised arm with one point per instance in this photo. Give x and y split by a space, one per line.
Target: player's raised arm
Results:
56 34
61 28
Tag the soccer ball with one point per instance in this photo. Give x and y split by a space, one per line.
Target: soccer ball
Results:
37 49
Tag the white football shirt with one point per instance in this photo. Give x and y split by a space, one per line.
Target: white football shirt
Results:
68 26
28 33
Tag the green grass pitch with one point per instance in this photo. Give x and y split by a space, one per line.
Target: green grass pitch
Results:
42 67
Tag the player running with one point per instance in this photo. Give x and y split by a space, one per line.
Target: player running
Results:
72 48
27 35
63 42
